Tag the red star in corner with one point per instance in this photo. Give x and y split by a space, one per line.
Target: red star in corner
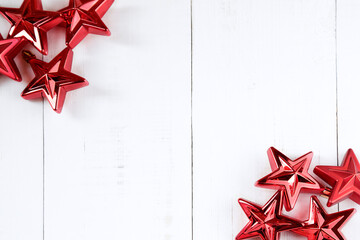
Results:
83 17
52 80
31 22
9 48
321 225
344 179
266 222
289 175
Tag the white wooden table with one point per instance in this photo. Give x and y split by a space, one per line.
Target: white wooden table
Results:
185 98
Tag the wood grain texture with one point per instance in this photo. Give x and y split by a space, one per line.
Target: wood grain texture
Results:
348 52
264 75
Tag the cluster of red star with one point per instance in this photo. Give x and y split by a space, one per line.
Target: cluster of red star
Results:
29 25
290 178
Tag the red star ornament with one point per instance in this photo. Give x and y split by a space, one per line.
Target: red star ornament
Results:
291 176
9 48
266 222
344 179
82 17
31 22
321 225
52 80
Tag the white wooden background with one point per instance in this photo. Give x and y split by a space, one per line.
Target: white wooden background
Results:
185 98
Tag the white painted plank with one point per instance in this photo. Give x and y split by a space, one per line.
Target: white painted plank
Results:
348 51
21 154
118 158
264 75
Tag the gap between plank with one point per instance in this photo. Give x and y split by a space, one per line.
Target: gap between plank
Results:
336 95
191 113
43 165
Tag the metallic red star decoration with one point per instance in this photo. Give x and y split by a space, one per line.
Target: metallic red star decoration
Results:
52 80
291 176
321 225
83 17
344 179
266 222
9 48
31 22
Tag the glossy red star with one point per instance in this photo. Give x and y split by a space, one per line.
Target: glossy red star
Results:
321 225
9 48
266 222
52 80
291 176
344 179
31 22
83 17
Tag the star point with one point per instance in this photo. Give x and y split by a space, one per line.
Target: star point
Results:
290 176
52 80
31 22
321 225
9 48
265 222
343 179
82 17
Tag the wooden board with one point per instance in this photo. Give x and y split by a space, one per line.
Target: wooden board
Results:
264 75
348 50
21 151
118 158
